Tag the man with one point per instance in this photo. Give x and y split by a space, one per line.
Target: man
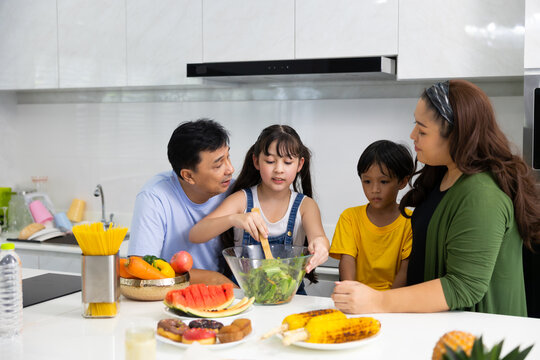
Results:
173 201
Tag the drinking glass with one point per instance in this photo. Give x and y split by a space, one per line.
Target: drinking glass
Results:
40 183
140 342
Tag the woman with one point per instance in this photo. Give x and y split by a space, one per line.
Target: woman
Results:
475 206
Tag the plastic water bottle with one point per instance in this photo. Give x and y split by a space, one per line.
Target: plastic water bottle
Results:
11 315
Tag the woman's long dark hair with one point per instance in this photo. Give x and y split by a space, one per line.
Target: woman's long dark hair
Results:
477 144
288 144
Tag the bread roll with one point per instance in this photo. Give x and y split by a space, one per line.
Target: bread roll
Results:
229 334
244 325
30 230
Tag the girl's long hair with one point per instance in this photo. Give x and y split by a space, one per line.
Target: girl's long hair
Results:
288 144
477 144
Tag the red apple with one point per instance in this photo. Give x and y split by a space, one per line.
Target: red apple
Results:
181 262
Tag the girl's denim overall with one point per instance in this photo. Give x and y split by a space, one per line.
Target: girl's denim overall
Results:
285 238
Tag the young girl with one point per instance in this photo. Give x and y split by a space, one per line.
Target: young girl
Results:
373 241
276 160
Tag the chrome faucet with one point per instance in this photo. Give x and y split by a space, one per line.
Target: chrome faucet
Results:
97 193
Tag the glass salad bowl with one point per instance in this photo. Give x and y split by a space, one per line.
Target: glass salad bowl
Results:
270 281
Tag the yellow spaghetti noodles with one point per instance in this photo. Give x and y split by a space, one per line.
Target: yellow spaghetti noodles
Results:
95 240
101 309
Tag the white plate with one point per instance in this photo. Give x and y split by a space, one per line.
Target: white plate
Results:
340 346
168 311
217 346
46 234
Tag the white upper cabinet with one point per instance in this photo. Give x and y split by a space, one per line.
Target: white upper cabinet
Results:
162 36
346 28
240 30
460 38
532 34
92 43
28 46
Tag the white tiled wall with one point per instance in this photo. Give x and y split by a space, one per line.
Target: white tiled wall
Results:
121 145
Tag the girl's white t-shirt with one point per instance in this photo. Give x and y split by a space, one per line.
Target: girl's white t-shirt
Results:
279 227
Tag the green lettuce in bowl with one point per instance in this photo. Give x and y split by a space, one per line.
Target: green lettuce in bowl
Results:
270 281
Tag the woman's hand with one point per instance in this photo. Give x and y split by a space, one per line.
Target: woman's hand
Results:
319 248
251 222
353 297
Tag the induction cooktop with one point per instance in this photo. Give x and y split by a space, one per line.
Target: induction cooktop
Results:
49 286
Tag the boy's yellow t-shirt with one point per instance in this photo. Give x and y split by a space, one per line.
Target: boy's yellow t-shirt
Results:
378 250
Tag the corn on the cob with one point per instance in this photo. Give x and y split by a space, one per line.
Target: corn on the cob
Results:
321 331
296 321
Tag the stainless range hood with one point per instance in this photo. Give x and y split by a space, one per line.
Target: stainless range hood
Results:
340 69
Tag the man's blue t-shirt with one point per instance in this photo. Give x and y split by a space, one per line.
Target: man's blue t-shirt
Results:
162 219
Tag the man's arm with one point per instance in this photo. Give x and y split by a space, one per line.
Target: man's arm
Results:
208 277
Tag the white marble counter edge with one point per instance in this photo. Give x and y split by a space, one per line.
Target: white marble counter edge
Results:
57 248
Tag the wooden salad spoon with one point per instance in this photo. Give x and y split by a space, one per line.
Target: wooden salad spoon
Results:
264 241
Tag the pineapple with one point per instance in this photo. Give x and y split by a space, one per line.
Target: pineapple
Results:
460 345
453 340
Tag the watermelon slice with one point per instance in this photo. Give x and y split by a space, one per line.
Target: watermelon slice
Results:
202 300
169 296
197 297
178 297
189 300
237 308
217 296
200 297
228 290
208 300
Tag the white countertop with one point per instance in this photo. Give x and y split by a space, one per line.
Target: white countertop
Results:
56 330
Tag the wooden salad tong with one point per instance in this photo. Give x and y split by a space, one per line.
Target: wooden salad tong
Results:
264 241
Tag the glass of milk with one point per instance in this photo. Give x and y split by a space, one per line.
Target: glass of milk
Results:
140 342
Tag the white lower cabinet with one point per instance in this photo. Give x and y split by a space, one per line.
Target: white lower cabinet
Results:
50 260
460 39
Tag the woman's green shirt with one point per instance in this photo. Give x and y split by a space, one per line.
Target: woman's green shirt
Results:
474 247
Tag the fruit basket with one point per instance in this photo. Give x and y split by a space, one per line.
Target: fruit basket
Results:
152 290
269 281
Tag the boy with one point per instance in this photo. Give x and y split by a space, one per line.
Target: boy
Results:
373 241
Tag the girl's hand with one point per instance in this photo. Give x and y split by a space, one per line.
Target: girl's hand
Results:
319 248
251 222
353 297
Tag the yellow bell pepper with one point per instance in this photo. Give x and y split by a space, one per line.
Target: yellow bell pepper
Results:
164 267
